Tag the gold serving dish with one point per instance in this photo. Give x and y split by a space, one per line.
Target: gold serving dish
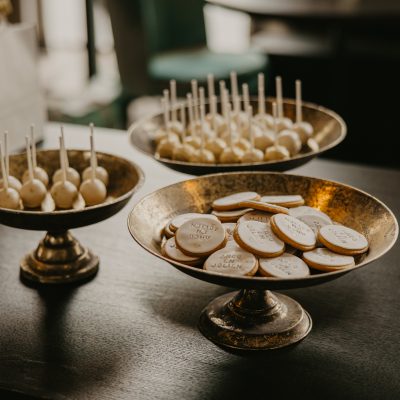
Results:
254 317
329 131
60 258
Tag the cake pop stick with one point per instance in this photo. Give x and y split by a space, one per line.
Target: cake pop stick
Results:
204 156
246 96
304 129
203 124
38 173
194 85
222 87
252 154
101 172
234 86
172 88
282 122
33 190
9 197
216 145
185 152
262 118
210 87
93 189
230 154
12 180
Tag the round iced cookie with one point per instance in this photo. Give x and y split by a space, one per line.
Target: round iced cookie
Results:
231 202
315 222
306 210
284 200
285 266
258 238
232 261
266 207
171 251
179 220
325 260
230 216
294 232
259 216
343 240
200 237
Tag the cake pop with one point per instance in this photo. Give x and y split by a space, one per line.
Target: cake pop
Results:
101 172
186 152
33 190
195 97
304 129
204 125
230 154
252 154
63 191
193 140
216 145
9 197
215 120
174 125
282 122
38 172
289 139
93 190
203 155
12 181
262 118
276 152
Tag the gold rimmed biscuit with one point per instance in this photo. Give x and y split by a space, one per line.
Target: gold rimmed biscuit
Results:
266 207
260 216
258 238
230 216
285 266
170 250
343 240
294 232
179 220
289 200
232 261
231 202
306 210
326 260
200 237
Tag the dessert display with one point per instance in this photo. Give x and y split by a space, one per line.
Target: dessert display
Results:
271 236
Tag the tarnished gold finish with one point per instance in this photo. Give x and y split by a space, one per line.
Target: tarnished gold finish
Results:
329 127
229 322
60 258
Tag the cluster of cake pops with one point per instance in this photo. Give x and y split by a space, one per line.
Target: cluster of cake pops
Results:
236 135
68 189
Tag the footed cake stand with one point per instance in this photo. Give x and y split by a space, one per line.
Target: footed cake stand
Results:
59 257
255 318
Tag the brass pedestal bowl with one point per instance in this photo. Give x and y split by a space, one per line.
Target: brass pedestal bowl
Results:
59 257
329 131
254 317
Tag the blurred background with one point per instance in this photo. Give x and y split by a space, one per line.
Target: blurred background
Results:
107 61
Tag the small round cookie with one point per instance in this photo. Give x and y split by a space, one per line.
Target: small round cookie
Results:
259 216
266 207
171 251
258 238
284 200
179 220
229 229
230 216
284 266
200 237
343 240
232 261
306 210
315 222
231 202
325 260
294 232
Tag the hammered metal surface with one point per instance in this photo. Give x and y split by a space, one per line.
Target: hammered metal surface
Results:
342 203
329 127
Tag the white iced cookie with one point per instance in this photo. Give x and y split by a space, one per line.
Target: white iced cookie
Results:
258 238
9 198
276 153
231 202
200 237
294 232
284 200
259 216
306 210
266 207
232 261
285 266
252 155
343 240
304 130
315 222
230 216
171 251
185 152
326 260
64 194
179 220
289 139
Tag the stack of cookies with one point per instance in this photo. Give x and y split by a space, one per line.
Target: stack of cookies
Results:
274 236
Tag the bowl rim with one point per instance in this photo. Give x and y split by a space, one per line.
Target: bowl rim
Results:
127 195
310 105
258 278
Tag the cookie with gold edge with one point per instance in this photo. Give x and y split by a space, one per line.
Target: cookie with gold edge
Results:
288 201
231 202
323 259
285 266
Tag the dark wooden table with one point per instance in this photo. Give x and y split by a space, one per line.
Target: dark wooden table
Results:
131 332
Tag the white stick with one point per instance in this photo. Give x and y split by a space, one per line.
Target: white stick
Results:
183 120
246 96
29 157
62 161
236 107
213 107
93 158
6 155
275 115
193 82
202 124
191 117
92 149
172 88
33 144
299 113
225 101
278 83
234 85
222 87
228 118
66 161
261 94
3 169
166 115
251 133
210 87
202 97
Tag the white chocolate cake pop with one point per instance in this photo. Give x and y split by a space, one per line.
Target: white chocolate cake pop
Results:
38 172
216 145
289 139
33 190
12 181
174 125
185 152
252 154
203 155
9 197
63 191
230 154
304 129
72 174
193 140
276 152
281 122
262 118
101 173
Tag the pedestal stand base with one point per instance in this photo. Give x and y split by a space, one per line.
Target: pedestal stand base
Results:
254 320
59 259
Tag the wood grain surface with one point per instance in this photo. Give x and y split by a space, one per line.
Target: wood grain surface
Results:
131 332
